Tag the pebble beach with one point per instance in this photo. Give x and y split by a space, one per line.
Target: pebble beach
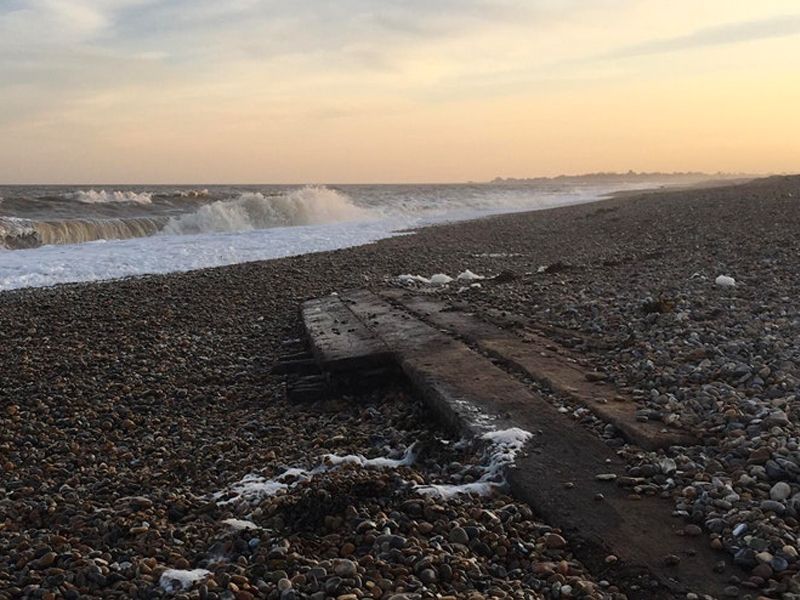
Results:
148 450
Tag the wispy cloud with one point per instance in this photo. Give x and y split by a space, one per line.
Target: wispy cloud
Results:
731 33
270 28
35 24
57 51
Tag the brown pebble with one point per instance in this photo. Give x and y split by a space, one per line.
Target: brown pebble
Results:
672 559
554 541
731 591
692 530
46 560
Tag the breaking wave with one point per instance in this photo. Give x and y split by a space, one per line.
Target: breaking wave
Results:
104 197
192 193
311 205
247 212
19 234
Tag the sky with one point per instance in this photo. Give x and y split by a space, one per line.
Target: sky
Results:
297 91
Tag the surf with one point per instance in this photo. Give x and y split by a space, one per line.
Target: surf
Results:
310 205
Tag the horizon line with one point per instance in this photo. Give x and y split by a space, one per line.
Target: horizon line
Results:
441 182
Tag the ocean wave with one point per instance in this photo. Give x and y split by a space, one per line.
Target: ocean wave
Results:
104 197
248 212
310 205
435 201
19 234
191 193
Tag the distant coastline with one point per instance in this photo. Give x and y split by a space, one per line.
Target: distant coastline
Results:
688 177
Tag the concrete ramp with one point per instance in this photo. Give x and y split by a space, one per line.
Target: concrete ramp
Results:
559 475
546 361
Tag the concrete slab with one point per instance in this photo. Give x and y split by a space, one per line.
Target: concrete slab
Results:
546 361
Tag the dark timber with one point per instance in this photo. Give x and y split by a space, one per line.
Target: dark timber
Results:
339 341
558 476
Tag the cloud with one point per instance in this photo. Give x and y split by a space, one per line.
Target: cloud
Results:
731 33
270 28
47 23
58 57
59 52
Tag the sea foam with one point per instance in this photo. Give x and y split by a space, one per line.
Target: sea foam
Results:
104 197
248 226
310 205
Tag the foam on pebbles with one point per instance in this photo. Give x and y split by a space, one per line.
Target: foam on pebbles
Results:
439 280
178 580
240 524
355 524
499 455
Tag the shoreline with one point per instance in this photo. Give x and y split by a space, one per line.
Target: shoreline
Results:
53 263
374 238
133 401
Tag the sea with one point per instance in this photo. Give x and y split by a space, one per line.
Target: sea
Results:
60 234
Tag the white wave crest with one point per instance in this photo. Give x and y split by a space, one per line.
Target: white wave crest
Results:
192 193
311 205
104 197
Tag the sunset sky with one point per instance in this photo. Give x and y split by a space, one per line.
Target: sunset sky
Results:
185 91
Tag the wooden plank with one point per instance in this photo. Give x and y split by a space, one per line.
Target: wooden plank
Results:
474 396
339 341
545 361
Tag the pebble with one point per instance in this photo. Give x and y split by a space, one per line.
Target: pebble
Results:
554 541
284 584
459 536
428 576
345 568
693 530
47 560
772 506
780 491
